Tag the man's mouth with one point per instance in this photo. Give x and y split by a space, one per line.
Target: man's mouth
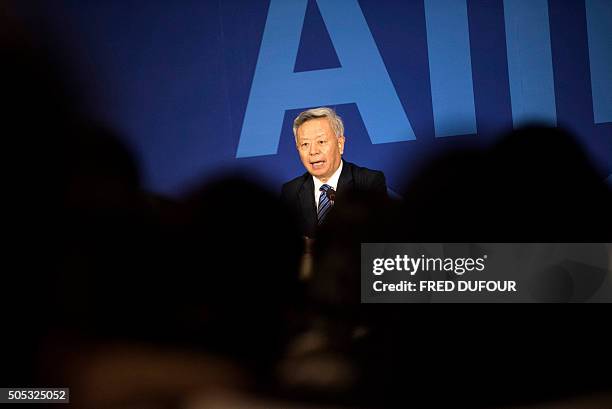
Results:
318 164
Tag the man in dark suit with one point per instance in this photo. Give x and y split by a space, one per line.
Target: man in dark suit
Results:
319 138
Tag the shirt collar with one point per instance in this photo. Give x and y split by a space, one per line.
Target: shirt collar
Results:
333 180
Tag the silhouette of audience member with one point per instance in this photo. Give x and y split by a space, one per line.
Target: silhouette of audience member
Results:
536 184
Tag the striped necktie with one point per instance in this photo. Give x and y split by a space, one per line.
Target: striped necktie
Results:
325 202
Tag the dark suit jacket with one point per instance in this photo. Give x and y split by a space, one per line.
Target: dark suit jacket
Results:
298 194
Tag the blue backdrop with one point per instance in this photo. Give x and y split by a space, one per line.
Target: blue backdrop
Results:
199 88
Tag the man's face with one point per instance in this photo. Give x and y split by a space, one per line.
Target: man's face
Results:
320 150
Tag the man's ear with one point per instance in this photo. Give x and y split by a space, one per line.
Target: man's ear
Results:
341 144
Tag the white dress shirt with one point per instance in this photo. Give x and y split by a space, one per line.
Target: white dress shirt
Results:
333 182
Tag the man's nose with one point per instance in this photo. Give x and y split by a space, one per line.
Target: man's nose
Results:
314 149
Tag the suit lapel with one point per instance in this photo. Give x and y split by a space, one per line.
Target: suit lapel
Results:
345 181
309 211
